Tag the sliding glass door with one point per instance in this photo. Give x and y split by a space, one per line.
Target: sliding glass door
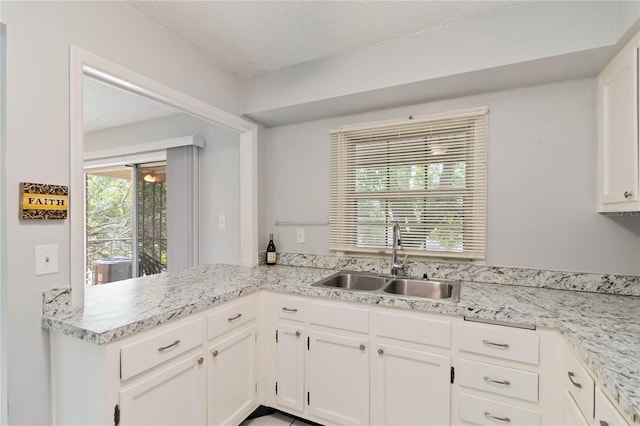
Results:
126 226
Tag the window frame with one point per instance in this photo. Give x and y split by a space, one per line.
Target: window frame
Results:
345 221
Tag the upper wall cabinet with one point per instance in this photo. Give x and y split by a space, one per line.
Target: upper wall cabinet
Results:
618 139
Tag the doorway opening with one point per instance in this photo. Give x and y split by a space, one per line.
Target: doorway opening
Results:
126 222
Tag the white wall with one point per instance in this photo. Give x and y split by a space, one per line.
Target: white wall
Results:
37 147
541 181
220 196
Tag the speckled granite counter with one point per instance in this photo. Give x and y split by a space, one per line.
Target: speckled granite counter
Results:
604 330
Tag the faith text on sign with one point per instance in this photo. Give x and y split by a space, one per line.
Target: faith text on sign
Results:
39 201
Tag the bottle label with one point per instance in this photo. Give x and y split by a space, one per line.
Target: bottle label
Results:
271 257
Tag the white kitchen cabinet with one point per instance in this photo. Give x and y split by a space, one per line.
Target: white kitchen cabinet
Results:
411 386
571 414
291 346
338 363
619 94
498 378
586 403
232 387
166 375
338 377
411 374
172 395
290 352
606 413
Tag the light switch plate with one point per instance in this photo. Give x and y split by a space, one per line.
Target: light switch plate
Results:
46 259
222 223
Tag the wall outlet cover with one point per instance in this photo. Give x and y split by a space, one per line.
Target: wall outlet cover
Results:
300 235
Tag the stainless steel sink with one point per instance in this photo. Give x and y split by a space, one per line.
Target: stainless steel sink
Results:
447 290
430 289
354 281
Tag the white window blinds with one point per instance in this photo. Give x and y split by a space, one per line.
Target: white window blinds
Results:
427 173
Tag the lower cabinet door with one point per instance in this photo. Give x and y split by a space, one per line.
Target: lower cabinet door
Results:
174 395
572 416
231 381
338 378
291 345
411 387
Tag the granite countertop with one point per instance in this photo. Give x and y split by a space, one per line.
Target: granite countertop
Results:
602 329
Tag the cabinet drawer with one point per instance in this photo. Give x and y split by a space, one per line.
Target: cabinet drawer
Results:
606 412
500 380
412 328
339 316
483 411
500 342
167 344
579 384
231 316
291 308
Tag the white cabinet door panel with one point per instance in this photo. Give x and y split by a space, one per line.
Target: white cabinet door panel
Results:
290 350
411 387
339 378
174 395
232 377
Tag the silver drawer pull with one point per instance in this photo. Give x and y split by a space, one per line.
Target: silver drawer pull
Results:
293 310
173 345
501 419
571 375
297 334
497 382
496 345
200 361
627 194
234 318
362 347
214 353
603 423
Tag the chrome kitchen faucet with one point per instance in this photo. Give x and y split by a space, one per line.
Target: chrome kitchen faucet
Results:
397 269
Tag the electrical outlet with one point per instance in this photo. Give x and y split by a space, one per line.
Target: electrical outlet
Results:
46 259
300 235
222 222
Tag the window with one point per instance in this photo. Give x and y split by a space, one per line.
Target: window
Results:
427 173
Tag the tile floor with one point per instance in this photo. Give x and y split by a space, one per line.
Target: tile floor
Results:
275 419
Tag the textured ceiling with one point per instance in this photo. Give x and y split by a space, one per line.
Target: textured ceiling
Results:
253 37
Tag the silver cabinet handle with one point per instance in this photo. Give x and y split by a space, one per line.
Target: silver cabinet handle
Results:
200 361
497 382
362 347
497 345
501 419
603 423
297 334
292 310
214 353
380 351
628 194
234 318
571 375
173 345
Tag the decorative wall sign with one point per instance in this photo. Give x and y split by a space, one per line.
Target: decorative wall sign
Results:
40 201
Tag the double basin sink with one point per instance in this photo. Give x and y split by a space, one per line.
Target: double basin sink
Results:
446 290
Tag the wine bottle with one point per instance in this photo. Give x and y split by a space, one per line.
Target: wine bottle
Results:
271 251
